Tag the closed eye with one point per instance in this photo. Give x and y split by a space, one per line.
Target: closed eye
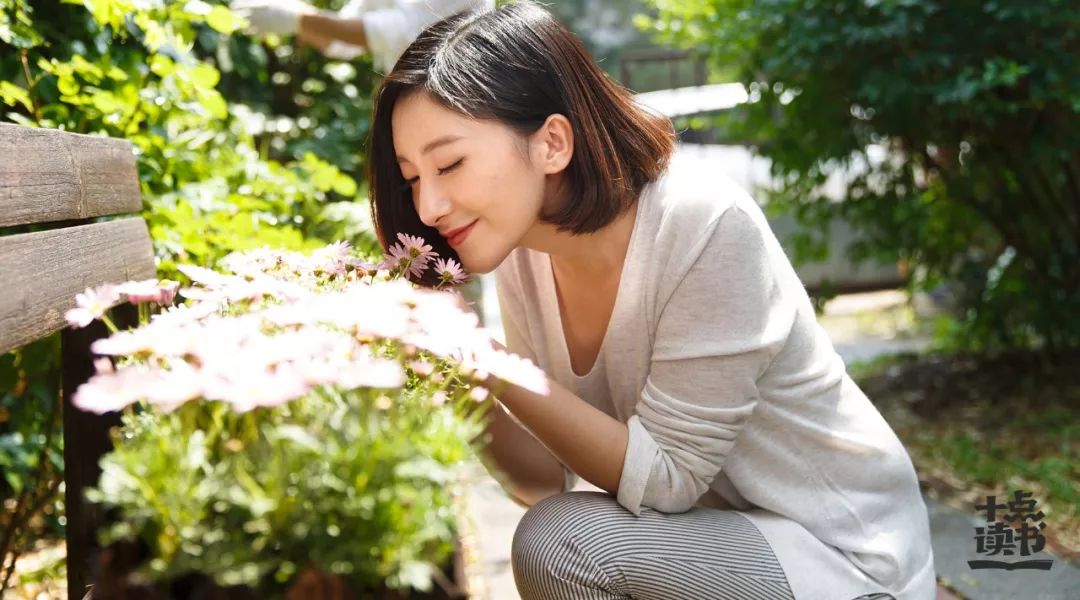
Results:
451 167
442 171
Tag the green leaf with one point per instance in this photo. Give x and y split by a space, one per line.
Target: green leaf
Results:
223 20
12 94
214 104
204 76
67 86
344 185
161 65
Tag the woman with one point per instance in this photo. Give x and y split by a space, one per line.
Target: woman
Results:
689 378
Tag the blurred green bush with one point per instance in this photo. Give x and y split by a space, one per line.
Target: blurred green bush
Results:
239 143
958 122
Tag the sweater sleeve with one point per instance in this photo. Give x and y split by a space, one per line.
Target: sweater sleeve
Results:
389 31
717 333
512 312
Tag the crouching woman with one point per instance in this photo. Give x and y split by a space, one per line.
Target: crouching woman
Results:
689 379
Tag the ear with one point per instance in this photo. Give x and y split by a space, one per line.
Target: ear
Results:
552 145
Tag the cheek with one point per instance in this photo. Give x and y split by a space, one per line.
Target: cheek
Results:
513 198
506 195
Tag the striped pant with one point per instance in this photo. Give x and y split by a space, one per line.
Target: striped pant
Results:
584 545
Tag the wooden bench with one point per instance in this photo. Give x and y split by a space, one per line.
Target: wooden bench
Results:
59 184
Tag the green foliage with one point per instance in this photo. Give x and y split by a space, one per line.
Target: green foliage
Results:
21 400
222 164
239 143
31 453
334 480
958 122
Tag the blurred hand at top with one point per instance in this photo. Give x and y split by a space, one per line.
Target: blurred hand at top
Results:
280 17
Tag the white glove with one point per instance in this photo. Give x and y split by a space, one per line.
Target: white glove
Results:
281 17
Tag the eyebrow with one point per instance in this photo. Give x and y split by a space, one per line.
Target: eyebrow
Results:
435 143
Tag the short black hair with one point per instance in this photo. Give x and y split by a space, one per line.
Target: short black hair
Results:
518 65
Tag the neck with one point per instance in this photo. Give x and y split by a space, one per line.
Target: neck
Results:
596 255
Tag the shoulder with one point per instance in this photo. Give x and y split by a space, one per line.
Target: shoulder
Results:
690 220
725 290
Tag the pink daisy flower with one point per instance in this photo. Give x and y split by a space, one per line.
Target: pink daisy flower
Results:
362 268
421 367
149 290
104 366
516 370
125 343
332 258
450 272
248 384
106 392
416 251
397 259
92 304
415 246
338 250
371 372
204 276
478 394
263 261
175 386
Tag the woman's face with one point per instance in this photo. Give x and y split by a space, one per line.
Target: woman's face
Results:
473 180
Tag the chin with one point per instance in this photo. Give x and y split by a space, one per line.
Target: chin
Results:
481 264
477 268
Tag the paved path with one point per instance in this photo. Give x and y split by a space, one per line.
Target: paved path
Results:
954 544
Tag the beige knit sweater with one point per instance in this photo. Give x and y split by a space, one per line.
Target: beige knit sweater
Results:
734 396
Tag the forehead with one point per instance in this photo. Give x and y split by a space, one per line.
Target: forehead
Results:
417 119
419 103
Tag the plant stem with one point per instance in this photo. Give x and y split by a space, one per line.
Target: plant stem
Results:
30 83
108 323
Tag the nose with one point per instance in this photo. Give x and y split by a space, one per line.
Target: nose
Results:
431 203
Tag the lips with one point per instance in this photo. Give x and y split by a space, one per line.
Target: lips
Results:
455 237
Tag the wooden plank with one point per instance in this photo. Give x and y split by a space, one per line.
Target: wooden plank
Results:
48 175
41 272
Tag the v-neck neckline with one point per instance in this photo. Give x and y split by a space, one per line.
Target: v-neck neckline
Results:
556 310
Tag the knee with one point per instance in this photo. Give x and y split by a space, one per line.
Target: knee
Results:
543 539
541 532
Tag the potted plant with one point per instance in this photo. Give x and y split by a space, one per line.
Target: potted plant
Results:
296 422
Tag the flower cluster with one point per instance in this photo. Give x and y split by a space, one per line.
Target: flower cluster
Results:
94 302
411 257
274 326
